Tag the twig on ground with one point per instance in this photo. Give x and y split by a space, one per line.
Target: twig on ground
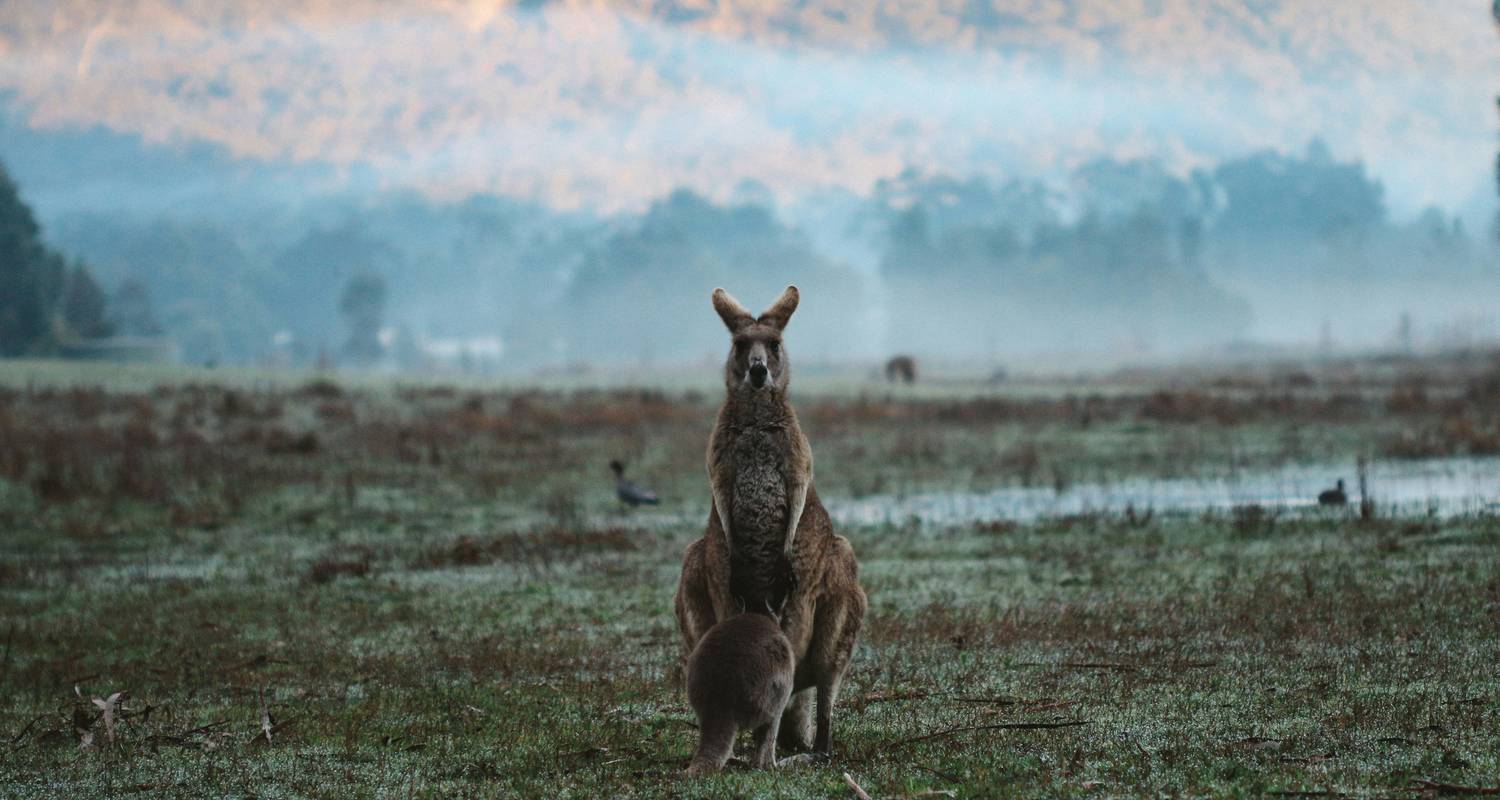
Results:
265 715
34 720
945 776
204 728
108 706
858 792
10 636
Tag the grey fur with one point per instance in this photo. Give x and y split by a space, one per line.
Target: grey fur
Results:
739 677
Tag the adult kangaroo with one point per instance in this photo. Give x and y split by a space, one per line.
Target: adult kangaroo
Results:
768 537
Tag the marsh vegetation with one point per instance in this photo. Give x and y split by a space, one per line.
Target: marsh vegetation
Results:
308 587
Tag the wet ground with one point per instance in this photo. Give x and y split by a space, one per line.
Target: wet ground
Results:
1443 487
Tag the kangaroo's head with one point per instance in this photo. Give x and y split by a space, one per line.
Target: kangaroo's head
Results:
757 361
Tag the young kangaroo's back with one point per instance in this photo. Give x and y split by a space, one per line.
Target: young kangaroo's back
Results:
739 677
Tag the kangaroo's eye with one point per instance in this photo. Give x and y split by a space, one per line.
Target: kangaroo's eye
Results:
773 347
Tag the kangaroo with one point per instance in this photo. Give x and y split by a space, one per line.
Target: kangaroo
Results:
902 368
739 677
767 534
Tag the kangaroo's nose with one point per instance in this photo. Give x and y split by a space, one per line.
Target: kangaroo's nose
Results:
758 373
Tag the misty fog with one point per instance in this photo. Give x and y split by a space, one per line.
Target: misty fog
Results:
526 204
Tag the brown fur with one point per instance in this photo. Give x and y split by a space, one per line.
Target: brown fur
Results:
739 677
768 537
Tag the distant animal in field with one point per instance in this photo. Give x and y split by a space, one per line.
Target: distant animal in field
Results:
1335 496
739 677
630 493
902 368
768 535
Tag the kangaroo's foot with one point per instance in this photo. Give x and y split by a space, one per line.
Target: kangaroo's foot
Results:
804 758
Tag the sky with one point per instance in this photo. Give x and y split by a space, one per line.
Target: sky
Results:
606 106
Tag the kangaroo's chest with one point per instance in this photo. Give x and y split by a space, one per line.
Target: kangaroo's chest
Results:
759 500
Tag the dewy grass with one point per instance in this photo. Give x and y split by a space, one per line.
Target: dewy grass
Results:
442 598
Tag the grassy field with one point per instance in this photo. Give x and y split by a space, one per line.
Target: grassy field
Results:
307 587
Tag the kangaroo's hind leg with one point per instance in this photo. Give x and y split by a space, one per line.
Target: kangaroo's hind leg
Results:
796 728
840 615
765 745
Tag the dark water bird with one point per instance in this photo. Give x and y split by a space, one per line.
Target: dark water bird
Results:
1335 496
629 492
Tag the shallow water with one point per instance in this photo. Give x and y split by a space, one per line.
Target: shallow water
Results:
1444 487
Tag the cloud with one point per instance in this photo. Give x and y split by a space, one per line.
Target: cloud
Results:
607 106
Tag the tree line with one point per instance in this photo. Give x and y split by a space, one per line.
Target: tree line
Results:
1125 255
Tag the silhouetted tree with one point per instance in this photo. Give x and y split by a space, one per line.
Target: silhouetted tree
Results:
209 283
84 309
31 276
319 266
362 305
1314 197
1129 272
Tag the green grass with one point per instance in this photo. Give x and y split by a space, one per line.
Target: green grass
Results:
461 610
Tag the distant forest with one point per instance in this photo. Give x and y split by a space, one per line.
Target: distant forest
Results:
1123 257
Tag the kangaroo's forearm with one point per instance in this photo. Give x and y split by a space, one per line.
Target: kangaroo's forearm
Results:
794 516
721 507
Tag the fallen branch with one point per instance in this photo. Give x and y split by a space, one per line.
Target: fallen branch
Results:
1453 788
34 720
204 728
858 792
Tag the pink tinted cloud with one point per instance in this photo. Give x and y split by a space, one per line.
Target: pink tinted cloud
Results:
610 105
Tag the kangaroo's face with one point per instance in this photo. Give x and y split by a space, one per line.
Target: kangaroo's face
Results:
757 361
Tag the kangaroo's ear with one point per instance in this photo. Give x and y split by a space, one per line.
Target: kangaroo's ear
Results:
734 315
780 312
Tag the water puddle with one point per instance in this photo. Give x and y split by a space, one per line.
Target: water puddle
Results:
1445 486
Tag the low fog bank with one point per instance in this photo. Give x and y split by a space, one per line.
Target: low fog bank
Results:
1269 253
